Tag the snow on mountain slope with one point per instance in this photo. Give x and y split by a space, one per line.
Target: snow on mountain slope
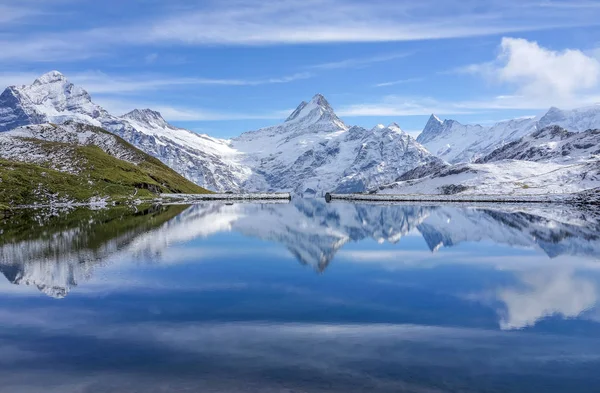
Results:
575 120
550 144
50 99
455 142
313 151
509 177
21 144
53 99
549 160
206 161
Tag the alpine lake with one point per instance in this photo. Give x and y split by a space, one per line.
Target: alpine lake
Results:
300 297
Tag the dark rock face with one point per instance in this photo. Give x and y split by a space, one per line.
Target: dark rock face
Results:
424 170
12 114
549 143
452 189
433 128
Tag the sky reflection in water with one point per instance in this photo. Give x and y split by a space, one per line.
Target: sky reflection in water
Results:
306 296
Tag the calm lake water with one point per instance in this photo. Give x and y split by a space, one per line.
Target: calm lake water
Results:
301 297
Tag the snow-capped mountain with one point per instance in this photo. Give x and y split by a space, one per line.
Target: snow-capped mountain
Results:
455 142
313 151
550 160
50 99
53 99
550 144
508 177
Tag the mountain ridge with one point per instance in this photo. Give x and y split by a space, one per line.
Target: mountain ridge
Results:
313 151
77 163
455 142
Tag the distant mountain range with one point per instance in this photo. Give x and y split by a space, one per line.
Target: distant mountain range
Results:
549 160
314 151
455 142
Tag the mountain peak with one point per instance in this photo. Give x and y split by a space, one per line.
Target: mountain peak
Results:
432 129
320 100
50 77
315 111
305 108
147 117
434 120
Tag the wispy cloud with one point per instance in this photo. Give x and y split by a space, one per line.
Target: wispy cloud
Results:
310 21
419 106
97 82
10 14
399 82
184 113
393 105
254 22
360 62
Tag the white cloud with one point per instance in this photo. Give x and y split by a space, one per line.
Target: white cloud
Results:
541 77
547 292
541 72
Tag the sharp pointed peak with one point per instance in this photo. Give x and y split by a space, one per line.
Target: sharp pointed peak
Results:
393 125
435 118
319 99
317 109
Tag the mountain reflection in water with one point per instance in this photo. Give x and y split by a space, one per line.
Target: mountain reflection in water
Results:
392 298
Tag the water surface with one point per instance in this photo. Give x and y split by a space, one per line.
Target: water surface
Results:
301 297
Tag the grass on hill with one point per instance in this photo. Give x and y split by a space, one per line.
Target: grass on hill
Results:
100 175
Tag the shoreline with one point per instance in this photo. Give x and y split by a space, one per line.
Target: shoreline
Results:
266 196
162 199
571 199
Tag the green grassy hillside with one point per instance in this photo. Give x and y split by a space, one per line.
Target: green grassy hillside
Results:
98 175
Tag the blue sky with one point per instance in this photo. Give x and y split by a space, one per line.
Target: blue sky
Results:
224 67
